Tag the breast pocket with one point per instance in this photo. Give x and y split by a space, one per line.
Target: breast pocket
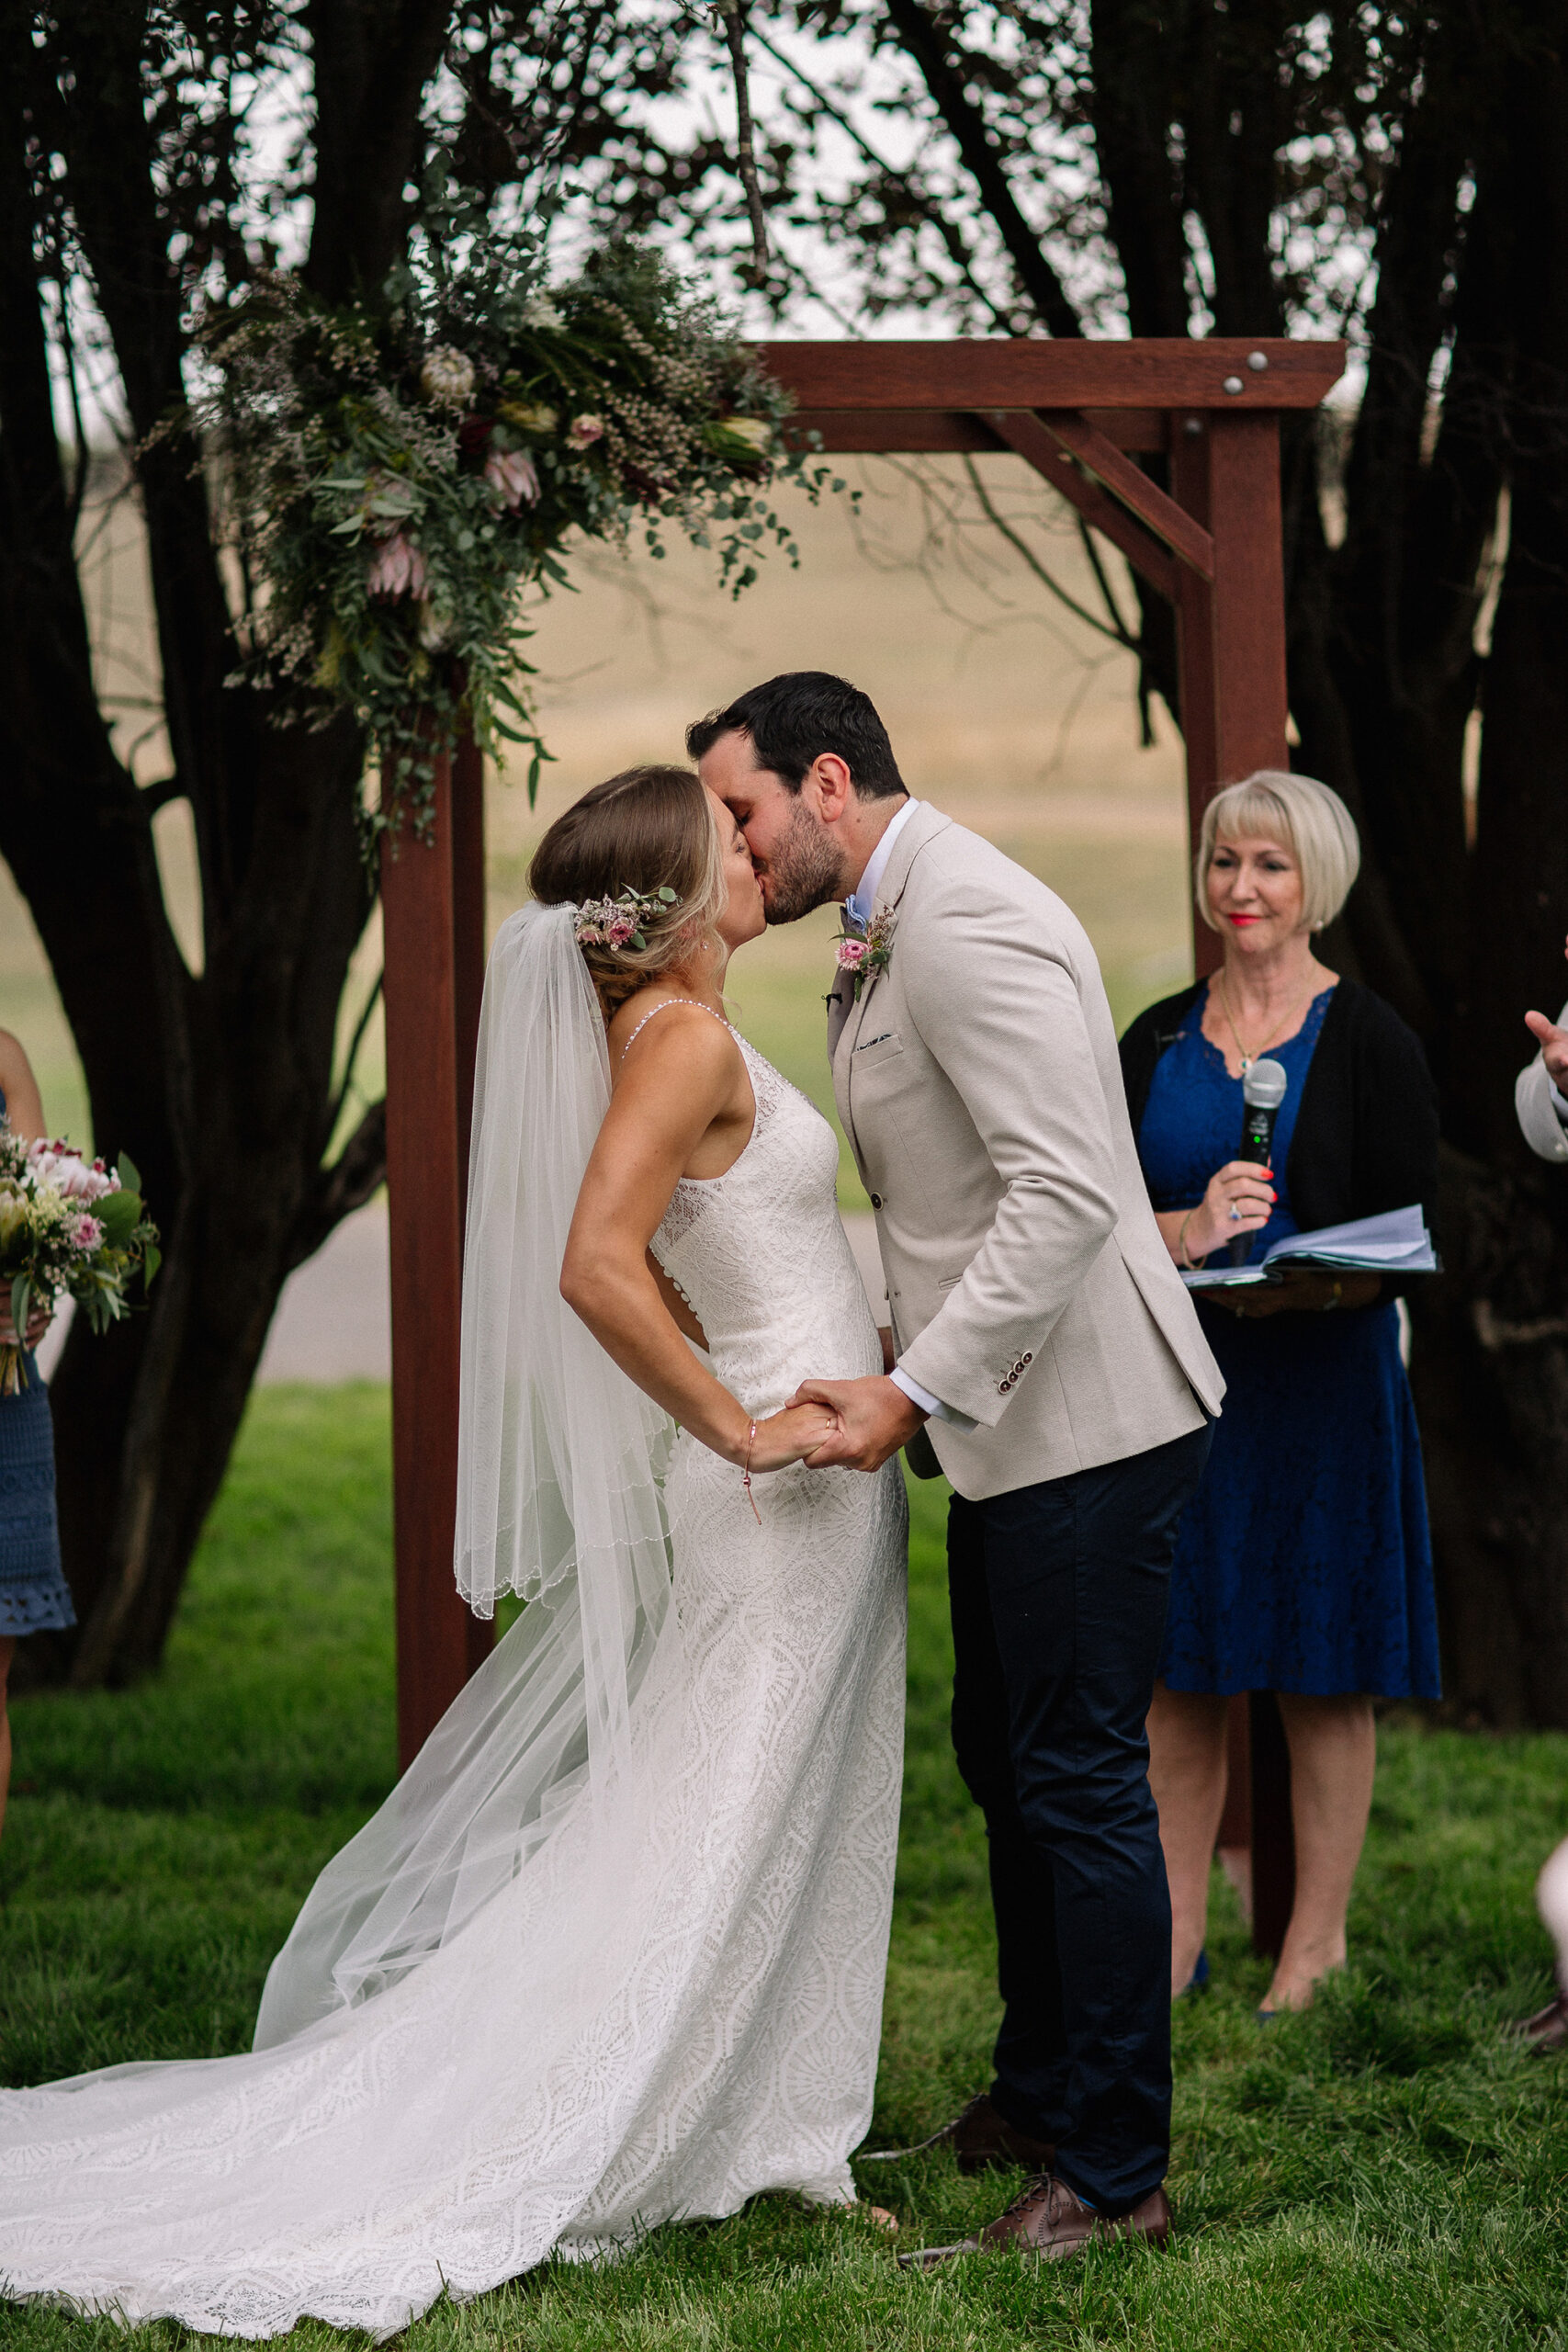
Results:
883 1047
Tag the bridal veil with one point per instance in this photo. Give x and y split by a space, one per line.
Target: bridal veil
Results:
559 1500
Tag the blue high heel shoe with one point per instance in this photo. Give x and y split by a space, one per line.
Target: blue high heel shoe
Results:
1199 1979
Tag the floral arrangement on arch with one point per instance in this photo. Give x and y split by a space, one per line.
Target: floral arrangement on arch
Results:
393 475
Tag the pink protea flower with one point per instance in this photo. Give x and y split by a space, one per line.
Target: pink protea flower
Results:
583 430
87 1233
621 930
853 954
396 569
68 1172
513 477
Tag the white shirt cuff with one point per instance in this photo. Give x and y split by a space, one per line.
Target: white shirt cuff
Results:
932 1407
1559 1100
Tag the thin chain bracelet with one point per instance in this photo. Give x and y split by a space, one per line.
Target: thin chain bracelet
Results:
746 1480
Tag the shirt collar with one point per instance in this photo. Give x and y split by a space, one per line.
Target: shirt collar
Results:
858 906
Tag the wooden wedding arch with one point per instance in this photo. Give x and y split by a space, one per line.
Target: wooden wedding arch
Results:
1083 415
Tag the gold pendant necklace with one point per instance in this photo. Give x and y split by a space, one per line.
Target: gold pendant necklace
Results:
1248 1059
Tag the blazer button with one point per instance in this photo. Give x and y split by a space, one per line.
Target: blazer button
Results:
876 1200
1028 1359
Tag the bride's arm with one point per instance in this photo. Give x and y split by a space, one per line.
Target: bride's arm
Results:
681 1078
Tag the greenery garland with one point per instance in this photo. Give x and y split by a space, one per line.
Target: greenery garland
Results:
392 475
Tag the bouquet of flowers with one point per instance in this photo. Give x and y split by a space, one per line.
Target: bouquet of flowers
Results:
69 1227
394 471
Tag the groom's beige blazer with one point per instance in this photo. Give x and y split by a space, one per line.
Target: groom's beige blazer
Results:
979 1083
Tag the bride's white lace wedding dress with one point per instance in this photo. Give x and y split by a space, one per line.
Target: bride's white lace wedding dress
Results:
671 1998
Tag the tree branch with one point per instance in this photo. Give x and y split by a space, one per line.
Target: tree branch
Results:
926 46
950 233
360 1027
354 1177
734 16
993 515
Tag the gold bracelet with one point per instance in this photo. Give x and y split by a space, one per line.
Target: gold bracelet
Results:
1181 1251
745 1481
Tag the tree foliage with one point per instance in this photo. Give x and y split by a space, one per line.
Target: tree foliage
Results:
1158 167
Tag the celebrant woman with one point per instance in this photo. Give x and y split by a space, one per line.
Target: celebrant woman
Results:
1303 1566
34 1596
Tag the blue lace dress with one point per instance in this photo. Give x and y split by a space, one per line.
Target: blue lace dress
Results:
34 1595
1303 1561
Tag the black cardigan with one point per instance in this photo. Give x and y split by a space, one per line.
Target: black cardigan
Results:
1366 1135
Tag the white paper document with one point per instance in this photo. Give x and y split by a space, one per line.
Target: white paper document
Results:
1397 1242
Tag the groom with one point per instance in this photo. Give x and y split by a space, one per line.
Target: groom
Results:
1043 1339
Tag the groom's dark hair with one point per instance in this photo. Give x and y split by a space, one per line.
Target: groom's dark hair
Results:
795 718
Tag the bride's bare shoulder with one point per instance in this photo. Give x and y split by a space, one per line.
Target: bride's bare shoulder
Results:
666 1021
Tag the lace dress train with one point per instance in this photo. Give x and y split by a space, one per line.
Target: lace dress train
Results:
673 2002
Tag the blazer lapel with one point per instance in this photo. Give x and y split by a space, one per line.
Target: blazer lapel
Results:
838 1010
924 826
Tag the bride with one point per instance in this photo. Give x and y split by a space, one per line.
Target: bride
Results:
611 1953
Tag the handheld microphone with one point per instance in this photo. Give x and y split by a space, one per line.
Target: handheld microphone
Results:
1262 1092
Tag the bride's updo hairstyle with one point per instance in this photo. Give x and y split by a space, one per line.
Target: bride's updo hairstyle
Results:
643 829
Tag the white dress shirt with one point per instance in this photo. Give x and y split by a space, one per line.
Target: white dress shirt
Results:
858 909
862 897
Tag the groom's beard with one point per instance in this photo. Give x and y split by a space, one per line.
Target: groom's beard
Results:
805 871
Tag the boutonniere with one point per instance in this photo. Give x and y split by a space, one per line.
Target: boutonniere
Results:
863 958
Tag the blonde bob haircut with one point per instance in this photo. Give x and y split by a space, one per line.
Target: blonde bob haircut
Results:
644 828
1311 821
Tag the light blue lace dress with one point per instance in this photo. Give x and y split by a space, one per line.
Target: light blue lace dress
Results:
34 1595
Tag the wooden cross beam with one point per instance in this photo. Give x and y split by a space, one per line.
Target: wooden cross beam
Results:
1206 412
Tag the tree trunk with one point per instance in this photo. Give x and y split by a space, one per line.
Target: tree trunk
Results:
220 1086
1491 1366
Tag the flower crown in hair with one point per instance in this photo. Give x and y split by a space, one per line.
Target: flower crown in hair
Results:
617 923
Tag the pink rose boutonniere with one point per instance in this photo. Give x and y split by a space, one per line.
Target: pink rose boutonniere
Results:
863 958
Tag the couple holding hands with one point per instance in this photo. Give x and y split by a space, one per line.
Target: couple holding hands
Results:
612 1953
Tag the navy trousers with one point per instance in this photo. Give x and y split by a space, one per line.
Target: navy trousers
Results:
1058 1595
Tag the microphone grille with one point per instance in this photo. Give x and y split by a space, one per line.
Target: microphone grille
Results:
1266 1085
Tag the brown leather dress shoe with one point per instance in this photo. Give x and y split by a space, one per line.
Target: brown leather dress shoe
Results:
1050 2222
1548 2029
982 2141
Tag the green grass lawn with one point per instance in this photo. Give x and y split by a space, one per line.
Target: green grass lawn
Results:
1387 2171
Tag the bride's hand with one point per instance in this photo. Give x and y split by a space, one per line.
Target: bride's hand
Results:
789 1436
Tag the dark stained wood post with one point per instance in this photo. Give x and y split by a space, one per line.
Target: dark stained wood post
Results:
433 924
1234 711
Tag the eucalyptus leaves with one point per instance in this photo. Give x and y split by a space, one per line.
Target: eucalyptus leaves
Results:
394 475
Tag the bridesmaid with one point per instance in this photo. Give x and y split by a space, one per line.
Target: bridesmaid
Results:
34 1596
